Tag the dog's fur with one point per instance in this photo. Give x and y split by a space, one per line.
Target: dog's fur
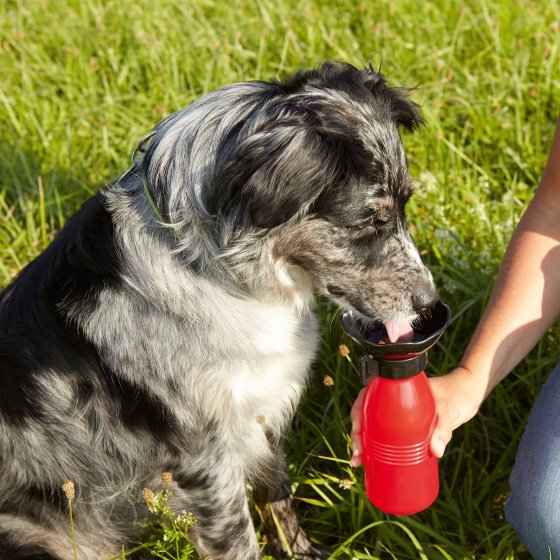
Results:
134 345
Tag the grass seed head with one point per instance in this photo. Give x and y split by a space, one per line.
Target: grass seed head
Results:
69 489
149 498
344 350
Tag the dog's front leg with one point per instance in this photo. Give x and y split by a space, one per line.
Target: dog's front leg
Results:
286 537
217 499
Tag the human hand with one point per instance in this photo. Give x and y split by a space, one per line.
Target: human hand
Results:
458 397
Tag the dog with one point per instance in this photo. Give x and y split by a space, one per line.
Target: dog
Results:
170 325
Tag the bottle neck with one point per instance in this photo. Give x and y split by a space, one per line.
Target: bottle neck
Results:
393 367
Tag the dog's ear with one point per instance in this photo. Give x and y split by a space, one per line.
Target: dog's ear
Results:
405 112
271 168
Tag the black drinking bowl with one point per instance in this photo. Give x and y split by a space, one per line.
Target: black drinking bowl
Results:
373 336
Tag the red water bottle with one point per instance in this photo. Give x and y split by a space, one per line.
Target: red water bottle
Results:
398 413
398 418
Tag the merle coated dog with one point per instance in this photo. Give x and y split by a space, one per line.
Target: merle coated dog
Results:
170 325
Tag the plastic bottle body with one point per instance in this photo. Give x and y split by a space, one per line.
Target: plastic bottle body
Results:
398 418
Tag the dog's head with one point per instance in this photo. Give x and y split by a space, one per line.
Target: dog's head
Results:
307 178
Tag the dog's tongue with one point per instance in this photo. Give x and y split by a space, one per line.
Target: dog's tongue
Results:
399 330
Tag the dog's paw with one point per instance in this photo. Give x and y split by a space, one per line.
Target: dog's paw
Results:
300 549
286 537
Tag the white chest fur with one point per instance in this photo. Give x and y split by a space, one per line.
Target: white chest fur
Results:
268 349
258 357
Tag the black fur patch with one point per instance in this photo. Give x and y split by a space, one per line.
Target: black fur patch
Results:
37 333
11 551
141 410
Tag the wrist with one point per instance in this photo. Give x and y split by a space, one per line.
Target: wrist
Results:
483 367
466 390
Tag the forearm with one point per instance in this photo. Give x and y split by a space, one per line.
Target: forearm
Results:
525 301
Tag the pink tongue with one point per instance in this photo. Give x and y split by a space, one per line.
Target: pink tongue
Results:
399 330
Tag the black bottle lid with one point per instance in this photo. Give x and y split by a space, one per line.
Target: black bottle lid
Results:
401 359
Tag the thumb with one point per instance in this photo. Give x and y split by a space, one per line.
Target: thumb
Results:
458 396
440 438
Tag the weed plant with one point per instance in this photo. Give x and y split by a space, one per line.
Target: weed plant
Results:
167 535
82 81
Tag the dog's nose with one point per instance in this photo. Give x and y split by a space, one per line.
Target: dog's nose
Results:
424 297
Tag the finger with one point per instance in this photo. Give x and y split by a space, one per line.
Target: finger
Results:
356 412
356 439
356 460
356 433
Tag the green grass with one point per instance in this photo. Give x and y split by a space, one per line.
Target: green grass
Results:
81 82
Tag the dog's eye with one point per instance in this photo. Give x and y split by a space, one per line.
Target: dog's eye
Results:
362 227
371 225
362 230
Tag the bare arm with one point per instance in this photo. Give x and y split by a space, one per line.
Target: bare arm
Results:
525 302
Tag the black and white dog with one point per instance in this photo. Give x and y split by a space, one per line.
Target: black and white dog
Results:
170 324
